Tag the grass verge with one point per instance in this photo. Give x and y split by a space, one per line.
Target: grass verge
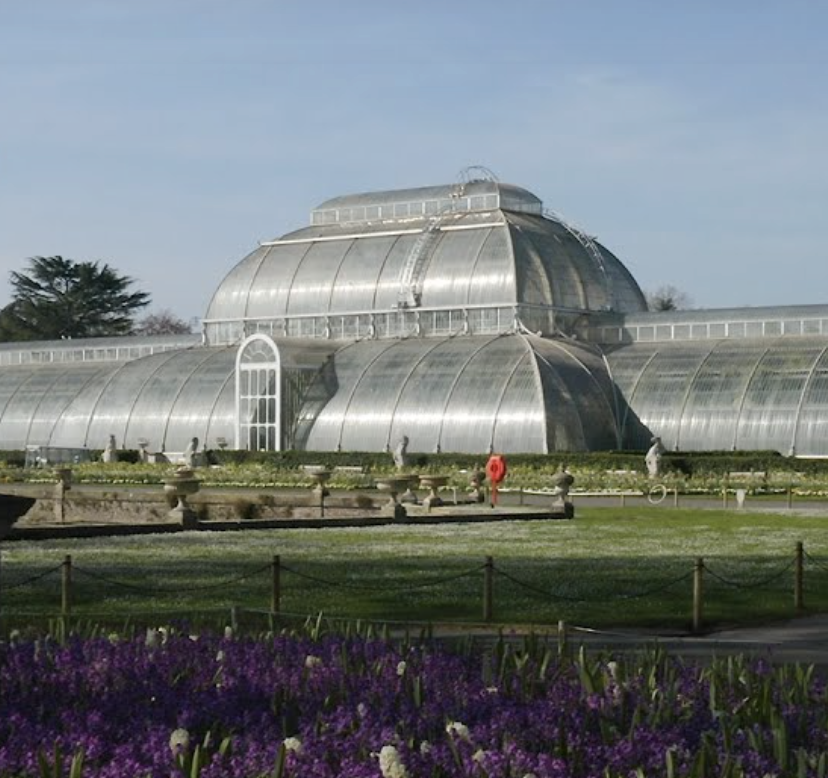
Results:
611 567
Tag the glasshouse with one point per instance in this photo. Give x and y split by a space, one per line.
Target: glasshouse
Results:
465 317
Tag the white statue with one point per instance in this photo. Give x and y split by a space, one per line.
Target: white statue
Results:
401 453
653 458
190 453
110 453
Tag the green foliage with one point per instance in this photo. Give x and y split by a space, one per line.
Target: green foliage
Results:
56 298
54 767
762 472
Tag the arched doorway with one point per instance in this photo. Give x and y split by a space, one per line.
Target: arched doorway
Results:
258 391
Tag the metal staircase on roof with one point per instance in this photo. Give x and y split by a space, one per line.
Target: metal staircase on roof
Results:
416 261
589 245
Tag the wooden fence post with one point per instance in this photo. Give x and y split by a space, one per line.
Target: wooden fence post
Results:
799 576
276 591
66 589
488 589
790 497
724 497
675 498
698 594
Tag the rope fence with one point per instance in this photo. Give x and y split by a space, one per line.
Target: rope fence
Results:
276 571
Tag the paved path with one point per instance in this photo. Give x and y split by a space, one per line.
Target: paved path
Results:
802 640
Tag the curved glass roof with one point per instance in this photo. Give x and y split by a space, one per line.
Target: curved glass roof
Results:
728 394
425 201
166 399
472 394
492 258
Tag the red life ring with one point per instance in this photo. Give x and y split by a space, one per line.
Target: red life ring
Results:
496 468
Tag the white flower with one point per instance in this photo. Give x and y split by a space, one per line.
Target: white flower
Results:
362 710
220 656
179 740
114 638
401 668
425 747
292 744
390 764
458 729
479 755
612 669
153 638
228 633
312 661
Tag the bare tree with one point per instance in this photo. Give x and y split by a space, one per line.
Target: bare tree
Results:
668 298
163 322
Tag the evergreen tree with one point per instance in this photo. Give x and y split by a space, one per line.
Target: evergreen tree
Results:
57 298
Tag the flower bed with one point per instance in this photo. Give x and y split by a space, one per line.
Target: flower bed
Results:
317 707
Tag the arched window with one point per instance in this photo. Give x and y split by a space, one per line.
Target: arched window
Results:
258 394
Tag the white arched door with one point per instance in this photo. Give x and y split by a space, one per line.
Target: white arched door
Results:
258 390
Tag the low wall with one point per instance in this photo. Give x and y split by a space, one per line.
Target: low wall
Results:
106 505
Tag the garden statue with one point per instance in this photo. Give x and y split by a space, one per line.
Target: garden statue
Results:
653 458
562 481
401 453
110 453
191 453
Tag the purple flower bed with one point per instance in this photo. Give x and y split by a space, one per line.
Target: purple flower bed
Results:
358 708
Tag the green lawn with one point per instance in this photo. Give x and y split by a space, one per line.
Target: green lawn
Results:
610 567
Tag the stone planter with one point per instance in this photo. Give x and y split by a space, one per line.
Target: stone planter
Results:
320 477
409 497
180 486
433 483
392 486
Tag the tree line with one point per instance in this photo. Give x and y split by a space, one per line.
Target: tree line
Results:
56 299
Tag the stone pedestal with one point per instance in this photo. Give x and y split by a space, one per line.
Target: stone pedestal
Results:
319 492
63 485
433 483
408 497
392 486
179 487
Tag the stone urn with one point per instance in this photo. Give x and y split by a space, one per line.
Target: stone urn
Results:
476 481
180 486
433 483
392 486
319 476
409 496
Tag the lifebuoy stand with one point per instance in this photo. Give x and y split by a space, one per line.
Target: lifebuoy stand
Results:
495 472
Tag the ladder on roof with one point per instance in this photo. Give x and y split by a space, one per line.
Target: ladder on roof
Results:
416 261
591 248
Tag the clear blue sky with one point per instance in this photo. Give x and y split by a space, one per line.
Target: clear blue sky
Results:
167 137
